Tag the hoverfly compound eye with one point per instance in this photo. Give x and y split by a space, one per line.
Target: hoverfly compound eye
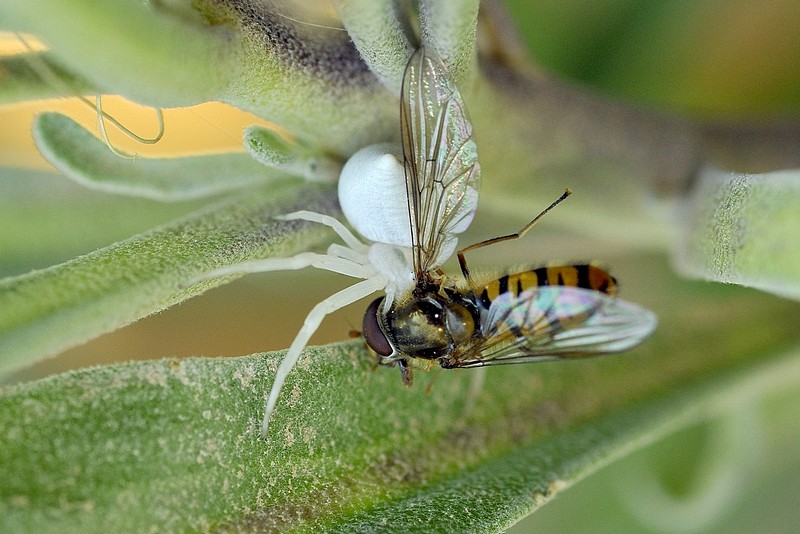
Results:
372 332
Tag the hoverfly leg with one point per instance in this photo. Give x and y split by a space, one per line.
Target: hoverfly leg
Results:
462 262
406 372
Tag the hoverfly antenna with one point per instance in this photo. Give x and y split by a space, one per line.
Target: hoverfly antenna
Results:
462 262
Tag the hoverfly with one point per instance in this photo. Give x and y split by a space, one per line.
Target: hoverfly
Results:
411 214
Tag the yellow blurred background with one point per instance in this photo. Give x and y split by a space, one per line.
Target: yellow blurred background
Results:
207 128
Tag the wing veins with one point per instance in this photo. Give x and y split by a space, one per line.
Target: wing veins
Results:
432 119
521 328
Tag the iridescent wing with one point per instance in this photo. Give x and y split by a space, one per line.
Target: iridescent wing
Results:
554 322
440 160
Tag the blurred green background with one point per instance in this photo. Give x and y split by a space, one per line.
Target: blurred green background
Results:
727 60
709 59
706 58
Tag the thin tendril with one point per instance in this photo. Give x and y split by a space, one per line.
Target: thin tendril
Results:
287 17
48 76
102 117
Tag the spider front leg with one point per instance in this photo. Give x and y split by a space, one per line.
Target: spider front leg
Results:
350 260
326 262
315 316
332 222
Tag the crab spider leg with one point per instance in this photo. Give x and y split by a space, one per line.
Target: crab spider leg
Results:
343 260
335 302
304 259
340 251
335 224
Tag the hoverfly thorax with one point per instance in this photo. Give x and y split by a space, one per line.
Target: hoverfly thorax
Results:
428 323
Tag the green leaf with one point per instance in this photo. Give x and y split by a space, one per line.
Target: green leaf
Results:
182 53
87 160
159 55
450 28
21 79
667 486
175 445
378 33
271 149
744 229
45 219
313 83
46 311
376 28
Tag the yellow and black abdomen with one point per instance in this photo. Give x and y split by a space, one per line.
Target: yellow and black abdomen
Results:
585 275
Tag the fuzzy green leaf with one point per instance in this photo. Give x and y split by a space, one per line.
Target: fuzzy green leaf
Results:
306 76
450 28
87 160
744 229
379 35
175 445
185 52
45 219
21 79
271 149
150 52
46 311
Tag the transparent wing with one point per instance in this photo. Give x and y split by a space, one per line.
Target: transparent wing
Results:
440 159
552 322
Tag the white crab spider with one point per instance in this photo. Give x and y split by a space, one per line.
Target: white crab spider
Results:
373 195
411 214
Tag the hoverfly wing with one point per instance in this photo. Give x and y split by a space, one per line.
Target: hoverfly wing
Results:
554 322
440 159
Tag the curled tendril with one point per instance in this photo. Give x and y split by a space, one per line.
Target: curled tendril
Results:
48 76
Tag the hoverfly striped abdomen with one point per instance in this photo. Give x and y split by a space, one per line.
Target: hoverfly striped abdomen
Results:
585 275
